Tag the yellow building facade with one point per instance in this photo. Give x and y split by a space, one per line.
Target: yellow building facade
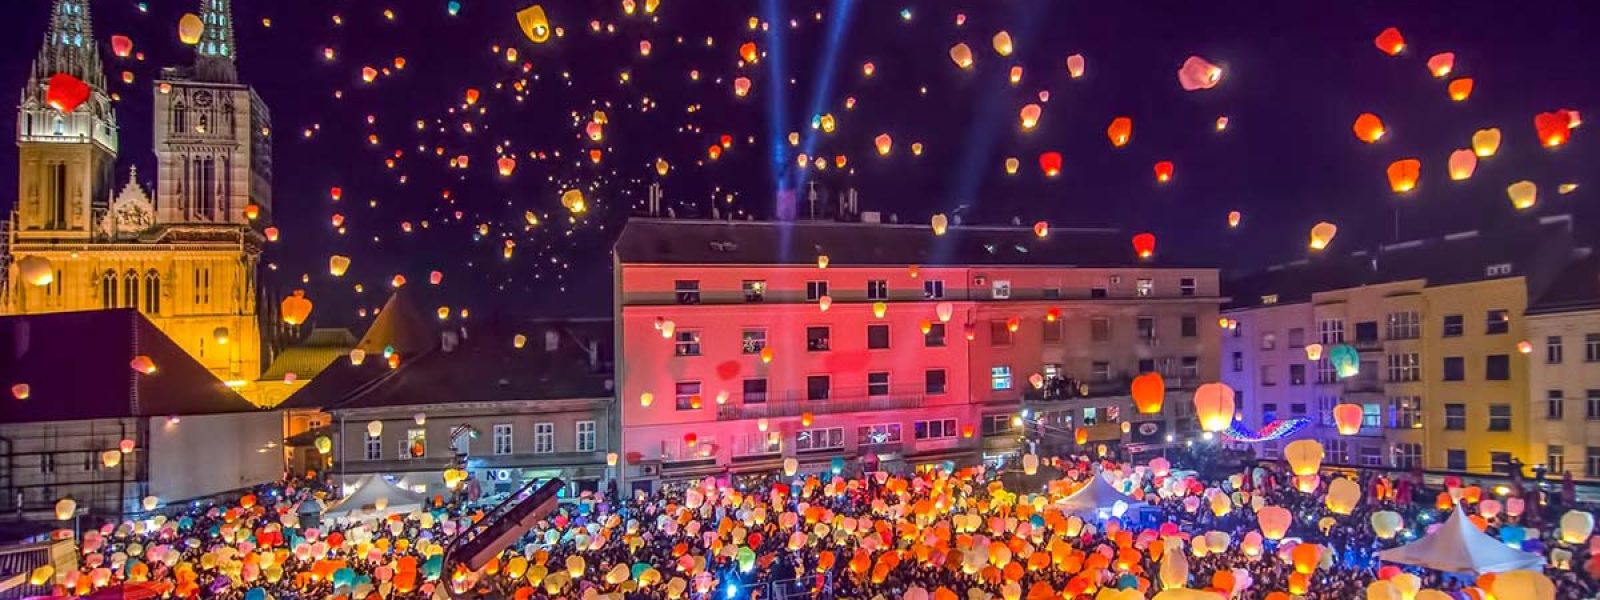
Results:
188 258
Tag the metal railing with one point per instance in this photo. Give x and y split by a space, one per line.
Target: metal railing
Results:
1116 386
793 404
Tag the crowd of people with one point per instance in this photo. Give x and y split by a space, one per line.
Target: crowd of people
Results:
994 531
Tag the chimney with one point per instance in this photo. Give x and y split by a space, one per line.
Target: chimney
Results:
653 207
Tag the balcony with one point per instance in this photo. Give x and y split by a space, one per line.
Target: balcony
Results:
1070 389
793 404
1371 344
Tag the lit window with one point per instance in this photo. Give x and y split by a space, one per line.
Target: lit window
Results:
1000 378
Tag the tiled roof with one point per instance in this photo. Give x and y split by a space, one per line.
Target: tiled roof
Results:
661 241
1576 288
308 358
76 365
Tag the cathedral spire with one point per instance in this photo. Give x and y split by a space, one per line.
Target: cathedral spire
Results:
215 53
69 46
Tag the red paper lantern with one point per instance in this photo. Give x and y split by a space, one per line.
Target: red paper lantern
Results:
1390 41
1164 171
1050 163
1144 244
1554 128
66 93
1149 393
121 45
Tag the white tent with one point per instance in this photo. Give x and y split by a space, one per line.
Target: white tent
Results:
1097 498
1458 547
371 491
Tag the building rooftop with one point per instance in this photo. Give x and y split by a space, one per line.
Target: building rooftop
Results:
310 356
77 366
1536 250
1575 288
676 241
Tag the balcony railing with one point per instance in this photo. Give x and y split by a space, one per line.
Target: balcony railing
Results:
1069 389
1368 344
793 404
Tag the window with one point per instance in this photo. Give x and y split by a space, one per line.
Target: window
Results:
1269 340
1455 368
1454 326
202 286
1147 365
1097 292
152 291
1269 299
1188 326
751 341
1371 456
1338 450
1499 417
755 290
1052 331
868 435
1145 328
1367 332
1186 286
756 444
1555 405
817 387
1555 458
815 290
1591 462
999 334
1191 367
1269 412
1408 455
1405 412
1100 329
1297 374
688 343
416 444
1297 337
998 425
933 381
936 429
1297 409
1497 367
1000 289
1000 378
686 395
878 383
1052 293
688 291
1330 331
1266 376
502 439
1405 367
826 438
1100 371
1404 325
755 391
933 289
877 289
544 438
1499 321
586 434
1372 415
1143 287
374 447
934 338
1325 371
1238 362
1325 406
108 289
877 336
1500 462
1592 405
1455 459
1455 417
1552 350
817 339
1591 347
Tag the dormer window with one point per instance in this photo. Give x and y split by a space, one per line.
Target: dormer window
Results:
1269 299
1497 270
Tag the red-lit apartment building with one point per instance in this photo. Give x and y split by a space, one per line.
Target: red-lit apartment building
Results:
698 302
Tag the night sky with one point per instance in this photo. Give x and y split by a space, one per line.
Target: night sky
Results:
1296 75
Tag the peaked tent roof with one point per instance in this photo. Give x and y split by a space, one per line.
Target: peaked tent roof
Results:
1458 547
76 365
363 503
1095 496
399 325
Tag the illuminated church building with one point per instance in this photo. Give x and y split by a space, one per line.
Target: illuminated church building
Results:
81 238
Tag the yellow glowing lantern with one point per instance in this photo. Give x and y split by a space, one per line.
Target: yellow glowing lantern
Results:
1075 66
1523 194
189 28
535 25
1213 404
1274 521
1030 116
766 355
143 364
884 143
1462 164
66 508
1403 174
646 399
1002 43
940 223
822 261
1304 456
824 302
1313 351
37 270
944 310
1322 234
1485 142
338 265
961 55
1012 165
1234 217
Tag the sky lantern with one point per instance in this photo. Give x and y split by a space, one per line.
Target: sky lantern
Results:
435 277
662 167
1304 456
748 52
472 96
507 164
741 86
573 201
1459 88
1233 218
867 68
1075 66
1016 78
1012 164
1566 188
1441 64
1030 116
884 143
398 281
646 399
1002 43
65 92
1486 142
1390 41
66 508
1576 526
1163 171
944 310
21 391
1149 392
1313 351
336 193
1222 123
1274 521
1144 244
1462 163
1041 229
1347 417
296 307
1554 127
1120 131
368 74
37 270
1368 127
1523 194
1386 523
337 265
142 364
534 24
1050 163
940 223
822 261
121 45
1198 74
1403 174
824 302
189 28
879 309
961 55
1346 361
1213 405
